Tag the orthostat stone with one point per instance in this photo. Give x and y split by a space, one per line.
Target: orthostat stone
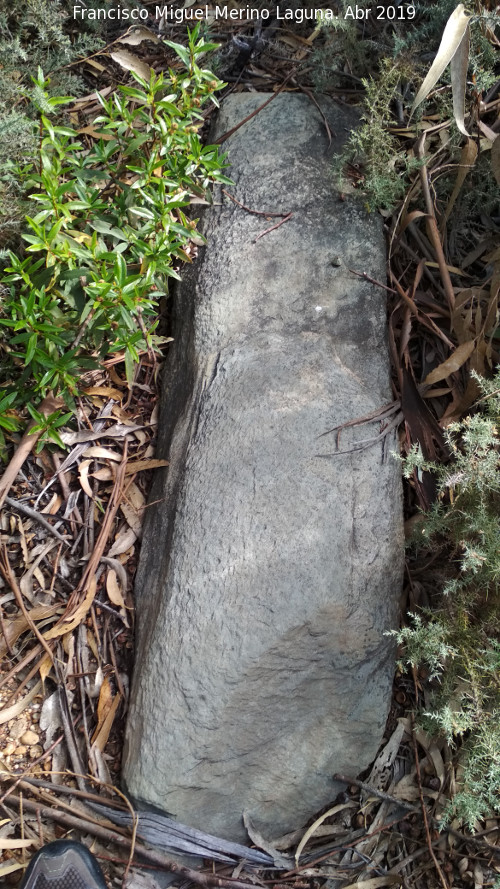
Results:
271 567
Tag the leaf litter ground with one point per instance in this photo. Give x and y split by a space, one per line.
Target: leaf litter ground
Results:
70 536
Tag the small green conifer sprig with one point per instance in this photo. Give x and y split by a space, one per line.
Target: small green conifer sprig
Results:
459 641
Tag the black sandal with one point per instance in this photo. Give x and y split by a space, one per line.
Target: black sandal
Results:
63 864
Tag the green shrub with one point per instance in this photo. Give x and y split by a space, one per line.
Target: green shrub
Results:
106 230
390 61
459 641
33 33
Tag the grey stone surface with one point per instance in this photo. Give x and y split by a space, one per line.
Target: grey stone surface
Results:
269 570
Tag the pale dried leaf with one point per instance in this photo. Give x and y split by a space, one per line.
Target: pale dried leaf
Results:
83 472
99 766
461 354
406 789
136 35
24 542
458 69
117 566
53 505
44 667
6 843
133 508
453 34
113 589
40 578
10 868
375 882
314 827
100 738
103 475
490 134
9 713
261 843
119 430
407 219
434 755
67 626
98 453
105 701
142 465
124 540
14 628
131 62
81 237
108 391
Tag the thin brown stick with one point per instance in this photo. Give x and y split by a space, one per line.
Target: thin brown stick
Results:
24 775
310 95
271 229
375 792
27 679
248 210
381 413
422 317
20 665
254 113
33 514
371 280
4 634
112 836
8 576
433 227
25 446
424 810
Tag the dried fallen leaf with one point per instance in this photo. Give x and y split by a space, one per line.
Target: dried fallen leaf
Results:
455 31
67 626
16 627
119 430
313 828
104 702
130 62
113 589
124 540
101 735
99 453
44 667
375 882
83 472
136 35
53 505
10 868
141 465
458 69
9 713
133 508
91 131
452 364
6 843
108 391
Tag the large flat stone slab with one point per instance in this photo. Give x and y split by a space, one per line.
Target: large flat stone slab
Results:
269 570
